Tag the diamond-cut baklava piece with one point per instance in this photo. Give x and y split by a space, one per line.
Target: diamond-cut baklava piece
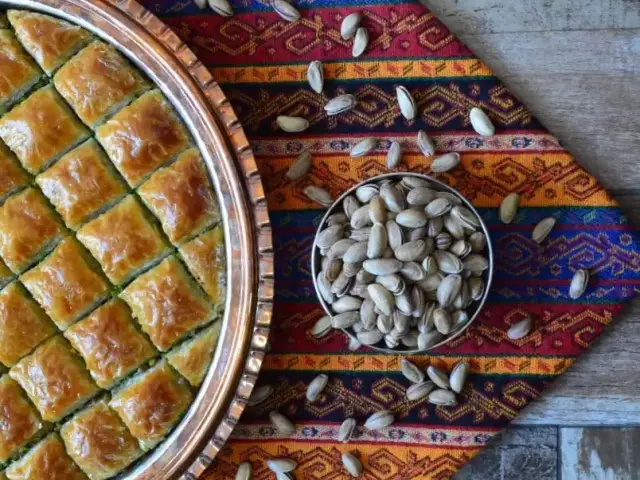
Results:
23 324
66 283
143 136
192 358
12 176
49 40
99 442
18 72
205 258
19 421
41 129
152 403
98 82
6 275
109 343
124 240
82 184
181 196
55 379
29 229
167 303
46 460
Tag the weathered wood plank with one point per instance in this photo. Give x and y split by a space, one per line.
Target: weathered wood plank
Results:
600 389
583 86
480 16
600 453
518 453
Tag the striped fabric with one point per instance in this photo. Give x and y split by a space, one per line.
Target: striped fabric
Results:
261 62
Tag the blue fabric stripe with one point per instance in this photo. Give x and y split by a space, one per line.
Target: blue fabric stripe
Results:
248 99
337 403
527 216
171 9
524 271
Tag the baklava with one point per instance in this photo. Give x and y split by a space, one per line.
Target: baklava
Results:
112 256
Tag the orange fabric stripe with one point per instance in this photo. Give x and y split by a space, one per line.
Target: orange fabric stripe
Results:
454 68
386 363
416 462
542 179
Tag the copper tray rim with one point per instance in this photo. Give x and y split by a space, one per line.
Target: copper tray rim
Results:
188 84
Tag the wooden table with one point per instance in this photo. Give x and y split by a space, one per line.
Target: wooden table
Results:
576 65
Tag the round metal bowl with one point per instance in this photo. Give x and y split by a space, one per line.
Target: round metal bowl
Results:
316 258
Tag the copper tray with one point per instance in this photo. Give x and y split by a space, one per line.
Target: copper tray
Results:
155 49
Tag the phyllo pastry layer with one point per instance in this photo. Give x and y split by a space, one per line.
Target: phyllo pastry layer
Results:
55 379
41 129
66 283
181 196
193 357
29 229
19 421
48 39
143 136
167 303
206 259
12 176
152 403
98 441
109 343
124 240
23 324
18 72
98 82
48 460
6 275
82 184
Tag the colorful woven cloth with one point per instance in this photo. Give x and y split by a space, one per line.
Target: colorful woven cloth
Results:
261 62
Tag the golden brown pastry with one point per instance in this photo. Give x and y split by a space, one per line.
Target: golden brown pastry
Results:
49 40
143 136
109 343
6 275
48 460
98 441
19 421
182 198
123 240
18 72
152 403
12 176
167 303
55 379
66 284
29 229
193 357
3 24
82 184
206 259
23 324
98 82
41 129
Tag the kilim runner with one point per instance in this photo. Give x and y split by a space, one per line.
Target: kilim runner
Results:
261 60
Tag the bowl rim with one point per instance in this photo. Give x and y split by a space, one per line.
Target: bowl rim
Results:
316 258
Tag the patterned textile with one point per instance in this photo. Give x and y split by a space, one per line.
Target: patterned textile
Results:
261 62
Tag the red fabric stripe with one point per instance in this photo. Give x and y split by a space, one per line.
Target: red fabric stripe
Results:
559 330
399 31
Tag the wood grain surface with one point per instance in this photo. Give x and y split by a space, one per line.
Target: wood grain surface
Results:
576 65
